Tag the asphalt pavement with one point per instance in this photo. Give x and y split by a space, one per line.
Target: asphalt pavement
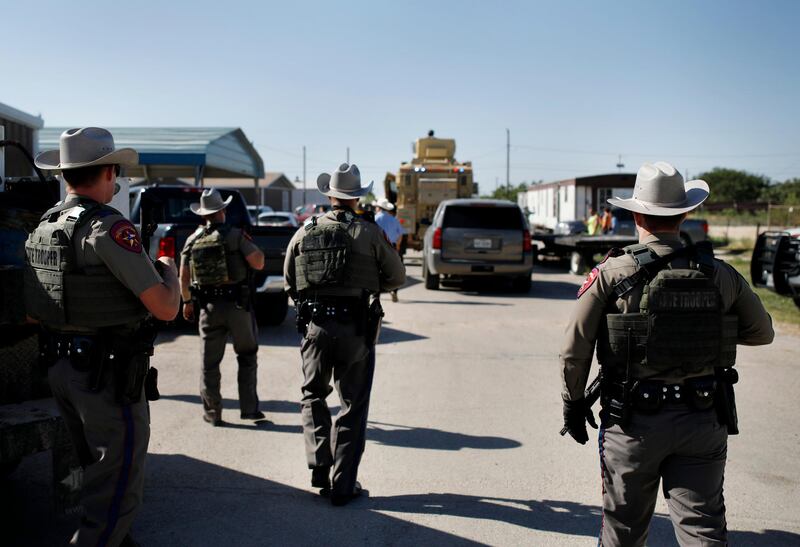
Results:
463 445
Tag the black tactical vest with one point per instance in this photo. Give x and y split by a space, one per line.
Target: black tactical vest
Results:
213 261
680 329
59 293
327 259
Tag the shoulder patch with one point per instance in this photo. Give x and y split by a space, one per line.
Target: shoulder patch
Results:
590 279
125 235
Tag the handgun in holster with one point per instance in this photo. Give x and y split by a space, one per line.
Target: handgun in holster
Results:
374 317
725 399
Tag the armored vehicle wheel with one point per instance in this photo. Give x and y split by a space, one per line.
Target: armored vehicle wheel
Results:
431 280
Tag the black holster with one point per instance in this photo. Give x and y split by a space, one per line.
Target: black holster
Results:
372 329
132 372
725 399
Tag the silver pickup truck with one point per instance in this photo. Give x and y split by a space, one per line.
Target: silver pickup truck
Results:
478 238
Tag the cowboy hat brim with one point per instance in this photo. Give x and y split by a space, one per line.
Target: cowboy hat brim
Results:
696 193
324 185
196 209
50 160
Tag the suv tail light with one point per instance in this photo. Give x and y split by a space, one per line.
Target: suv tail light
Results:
704 224
437 238
166 247
527 246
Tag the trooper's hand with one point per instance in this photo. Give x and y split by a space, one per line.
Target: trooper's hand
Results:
576 414
188 311
166 263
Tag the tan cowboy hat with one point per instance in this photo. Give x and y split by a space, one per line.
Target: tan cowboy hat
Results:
660 191
384 204
210 202
84 147
345 183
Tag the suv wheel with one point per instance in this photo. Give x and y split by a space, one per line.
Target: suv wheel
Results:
577 263
522 284
431 280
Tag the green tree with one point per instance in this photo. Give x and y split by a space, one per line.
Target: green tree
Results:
784 193
502 192
734 185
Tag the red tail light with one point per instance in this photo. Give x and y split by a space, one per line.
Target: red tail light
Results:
166 247
527 246
437 238
705 227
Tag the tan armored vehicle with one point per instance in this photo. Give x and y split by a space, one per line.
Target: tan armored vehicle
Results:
433 176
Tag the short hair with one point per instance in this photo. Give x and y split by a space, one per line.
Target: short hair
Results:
669 223
84 176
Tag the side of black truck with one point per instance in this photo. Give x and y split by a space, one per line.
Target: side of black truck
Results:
176 222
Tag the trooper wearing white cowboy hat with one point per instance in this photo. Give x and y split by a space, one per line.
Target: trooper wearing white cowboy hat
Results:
658 418
106 413
214 273
334 267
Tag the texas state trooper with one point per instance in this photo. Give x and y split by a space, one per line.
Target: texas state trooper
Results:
666 320
92 287
214 273
335 268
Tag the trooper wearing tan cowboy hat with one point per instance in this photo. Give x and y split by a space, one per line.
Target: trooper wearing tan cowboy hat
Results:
665 332
335 267
91 305
214 274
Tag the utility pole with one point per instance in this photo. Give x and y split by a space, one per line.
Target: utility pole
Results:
348 155
508 161
304 174
620 165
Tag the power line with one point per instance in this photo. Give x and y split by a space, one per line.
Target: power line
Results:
661 154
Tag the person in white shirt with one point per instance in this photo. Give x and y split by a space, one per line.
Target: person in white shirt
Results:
391 227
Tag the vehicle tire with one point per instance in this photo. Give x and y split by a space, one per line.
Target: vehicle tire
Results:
577 263
522 284
431 280
271 309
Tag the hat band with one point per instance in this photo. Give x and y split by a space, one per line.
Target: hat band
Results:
668 204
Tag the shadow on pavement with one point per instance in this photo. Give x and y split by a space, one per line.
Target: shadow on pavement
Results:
454 302
191 502
390 336
233 404
433 439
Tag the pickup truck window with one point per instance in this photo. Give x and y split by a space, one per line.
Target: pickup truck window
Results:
177 202
499 218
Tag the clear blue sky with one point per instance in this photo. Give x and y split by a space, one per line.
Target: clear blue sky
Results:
699 84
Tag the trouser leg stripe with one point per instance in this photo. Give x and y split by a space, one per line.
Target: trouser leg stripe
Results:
122 480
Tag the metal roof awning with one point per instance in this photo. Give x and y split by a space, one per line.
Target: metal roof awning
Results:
181 152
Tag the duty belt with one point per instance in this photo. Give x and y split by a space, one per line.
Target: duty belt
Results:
650 396
80 349
220 291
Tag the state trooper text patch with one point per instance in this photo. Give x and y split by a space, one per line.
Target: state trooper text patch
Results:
125 235
589 281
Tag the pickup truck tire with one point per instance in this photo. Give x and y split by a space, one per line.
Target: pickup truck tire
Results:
431 280
577 263
271 309
522 284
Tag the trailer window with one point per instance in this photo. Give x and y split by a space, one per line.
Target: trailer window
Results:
500 218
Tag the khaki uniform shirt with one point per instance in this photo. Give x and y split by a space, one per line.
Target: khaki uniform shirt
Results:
368 239
109 240
755 324
236 240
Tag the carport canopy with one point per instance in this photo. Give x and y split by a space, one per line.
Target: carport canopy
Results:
181 152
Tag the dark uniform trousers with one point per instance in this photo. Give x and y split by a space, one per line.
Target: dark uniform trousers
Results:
682 448
336 349
111 440
219 318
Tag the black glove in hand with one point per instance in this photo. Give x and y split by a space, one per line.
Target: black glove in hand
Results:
576 414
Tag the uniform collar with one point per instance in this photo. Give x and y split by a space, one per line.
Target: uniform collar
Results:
666 238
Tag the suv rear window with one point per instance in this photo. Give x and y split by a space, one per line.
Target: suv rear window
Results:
498 218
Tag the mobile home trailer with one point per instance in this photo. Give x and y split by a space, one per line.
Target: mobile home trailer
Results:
553 202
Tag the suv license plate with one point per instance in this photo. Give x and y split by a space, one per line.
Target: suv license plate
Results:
482 243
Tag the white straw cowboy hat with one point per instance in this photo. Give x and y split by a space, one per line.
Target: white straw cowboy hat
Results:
660 191
345 183
84 147
210 202
383 203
